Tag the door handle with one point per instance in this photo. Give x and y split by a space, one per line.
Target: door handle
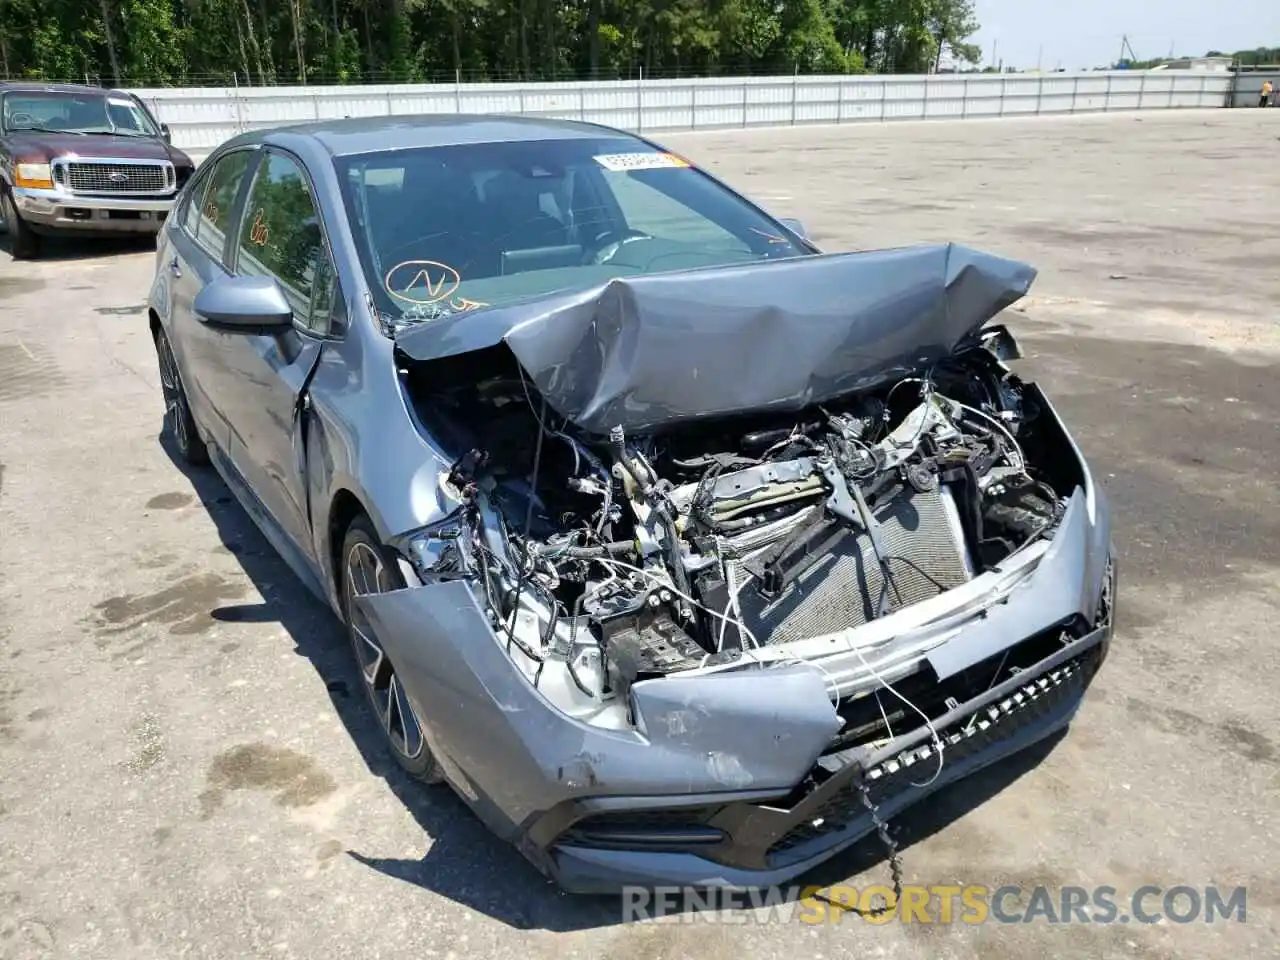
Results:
174 268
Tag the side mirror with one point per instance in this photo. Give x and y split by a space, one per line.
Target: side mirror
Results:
165 133
250 305
795 226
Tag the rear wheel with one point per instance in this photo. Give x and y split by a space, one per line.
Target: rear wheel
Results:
178 422
368 567
24 243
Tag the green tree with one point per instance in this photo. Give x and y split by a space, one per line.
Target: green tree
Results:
952 23
146 42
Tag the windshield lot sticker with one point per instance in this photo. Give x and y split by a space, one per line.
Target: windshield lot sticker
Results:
626 162
421 281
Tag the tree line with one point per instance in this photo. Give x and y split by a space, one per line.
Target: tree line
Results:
193 42
1259 56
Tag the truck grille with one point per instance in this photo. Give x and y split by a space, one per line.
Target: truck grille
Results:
118 178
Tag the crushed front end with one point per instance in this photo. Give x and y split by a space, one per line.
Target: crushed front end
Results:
718 650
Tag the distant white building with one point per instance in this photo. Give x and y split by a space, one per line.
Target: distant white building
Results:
1214 64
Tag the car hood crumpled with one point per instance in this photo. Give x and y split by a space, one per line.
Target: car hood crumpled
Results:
646 351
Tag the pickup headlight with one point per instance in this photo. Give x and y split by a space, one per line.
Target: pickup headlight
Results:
38 175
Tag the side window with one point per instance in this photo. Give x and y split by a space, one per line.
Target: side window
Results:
127 115
194 203
218 199
280 236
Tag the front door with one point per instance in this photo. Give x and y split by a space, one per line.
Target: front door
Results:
279 235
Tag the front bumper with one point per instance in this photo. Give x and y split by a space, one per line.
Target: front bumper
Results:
735 781
744 844
57 210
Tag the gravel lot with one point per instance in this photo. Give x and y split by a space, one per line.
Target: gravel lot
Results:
185 767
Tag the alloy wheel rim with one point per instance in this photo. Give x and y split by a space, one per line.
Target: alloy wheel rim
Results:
175 400
366 574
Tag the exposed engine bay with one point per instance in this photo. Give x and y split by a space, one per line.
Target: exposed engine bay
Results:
607 560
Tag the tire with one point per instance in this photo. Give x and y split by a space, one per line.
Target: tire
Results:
369 567
179 425
24 244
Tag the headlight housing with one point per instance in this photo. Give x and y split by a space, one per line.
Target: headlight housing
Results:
33 173
441 551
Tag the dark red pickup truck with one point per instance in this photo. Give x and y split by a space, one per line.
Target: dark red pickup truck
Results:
82 159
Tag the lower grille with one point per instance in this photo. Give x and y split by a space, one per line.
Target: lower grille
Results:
843 590
991 724
642 828
117 177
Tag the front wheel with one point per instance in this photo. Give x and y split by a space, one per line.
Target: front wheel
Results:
368 567
24 243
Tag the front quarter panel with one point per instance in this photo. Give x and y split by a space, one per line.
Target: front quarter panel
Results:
362 442
730 733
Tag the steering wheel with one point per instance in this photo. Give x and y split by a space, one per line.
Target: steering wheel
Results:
23 118
608 244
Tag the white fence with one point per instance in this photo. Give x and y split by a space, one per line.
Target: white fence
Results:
1248 87
202 118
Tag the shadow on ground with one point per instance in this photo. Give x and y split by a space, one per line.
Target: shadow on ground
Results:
465 862
71 247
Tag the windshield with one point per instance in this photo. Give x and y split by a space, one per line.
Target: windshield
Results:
447 229
85 113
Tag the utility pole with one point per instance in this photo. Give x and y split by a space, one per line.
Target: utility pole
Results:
111 43
1126 45
1039 57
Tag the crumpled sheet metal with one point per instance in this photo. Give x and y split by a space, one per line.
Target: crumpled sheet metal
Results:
653 350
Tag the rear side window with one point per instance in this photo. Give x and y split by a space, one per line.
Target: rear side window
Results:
281 237
194 204
218 199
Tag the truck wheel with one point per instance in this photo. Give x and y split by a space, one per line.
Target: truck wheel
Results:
24 244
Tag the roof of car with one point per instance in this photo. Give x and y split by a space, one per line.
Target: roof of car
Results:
40 86
371 134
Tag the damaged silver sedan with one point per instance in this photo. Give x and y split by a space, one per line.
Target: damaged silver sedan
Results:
684 552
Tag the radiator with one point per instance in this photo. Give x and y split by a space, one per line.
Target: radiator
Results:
842 590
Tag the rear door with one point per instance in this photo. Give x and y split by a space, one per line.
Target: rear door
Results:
280 235
198 256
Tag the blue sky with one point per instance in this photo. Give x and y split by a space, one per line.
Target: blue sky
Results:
1086 33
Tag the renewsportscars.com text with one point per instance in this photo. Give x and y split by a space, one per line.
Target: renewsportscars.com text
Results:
941 904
